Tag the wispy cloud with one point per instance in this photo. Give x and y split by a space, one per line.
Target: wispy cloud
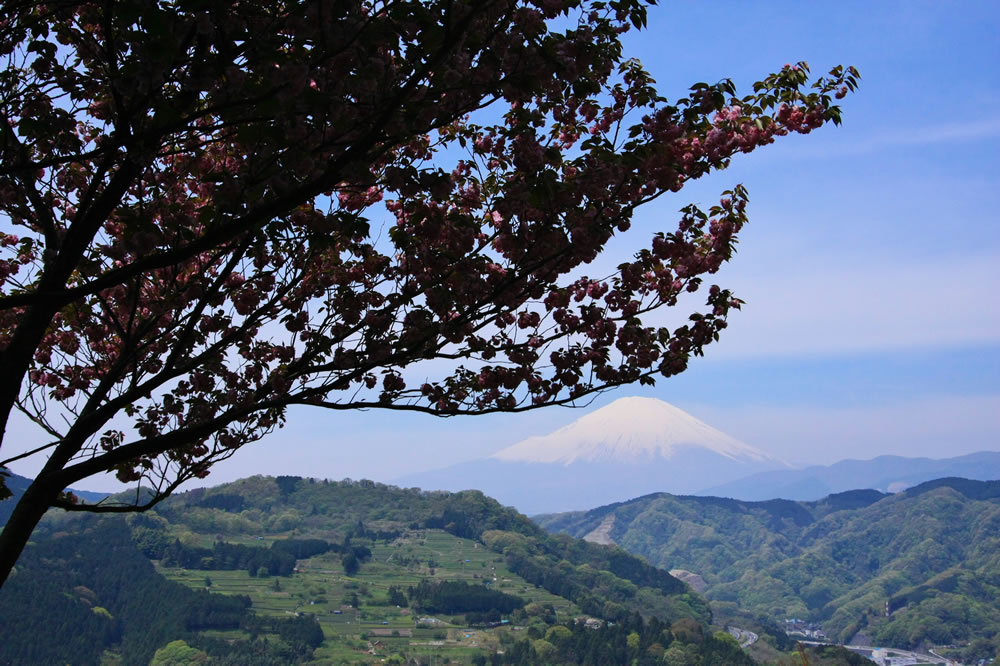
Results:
865 305
847 143
931 426
969 131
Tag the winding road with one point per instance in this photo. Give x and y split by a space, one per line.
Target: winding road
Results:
921 657
746 638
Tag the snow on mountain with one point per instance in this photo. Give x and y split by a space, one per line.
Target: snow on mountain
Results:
629 430
632 447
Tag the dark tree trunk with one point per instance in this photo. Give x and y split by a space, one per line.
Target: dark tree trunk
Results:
29 510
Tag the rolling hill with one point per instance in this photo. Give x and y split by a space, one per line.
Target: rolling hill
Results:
930 554
17 484
352 572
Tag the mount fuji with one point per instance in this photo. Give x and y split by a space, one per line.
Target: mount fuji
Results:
632 447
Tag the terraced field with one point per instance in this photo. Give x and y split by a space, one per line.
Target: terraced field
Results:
354 611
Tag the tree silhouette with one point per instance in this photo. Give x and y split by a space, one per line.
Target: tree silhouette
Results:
186 201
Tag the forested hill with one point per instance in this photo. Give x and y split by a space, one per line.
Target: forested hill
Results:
17 484
263 505
931 552
344 572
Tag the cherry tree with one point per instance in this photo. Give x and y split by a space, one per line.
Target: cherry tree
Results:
210 211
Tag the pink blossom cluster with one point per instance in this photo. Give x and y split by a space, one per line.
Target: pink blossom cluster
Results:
196 250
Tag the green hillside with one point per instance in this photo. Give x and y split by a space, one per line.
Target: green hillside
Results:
931 553
289 570
17 484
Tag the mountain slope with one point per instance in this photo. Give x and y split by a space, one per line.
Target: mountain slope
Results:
263 506
629 430
17 484
885 473
372 568
932 552
629 448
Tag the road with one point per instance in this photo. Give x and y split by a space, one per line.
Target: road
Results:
746 638
943 660
921 657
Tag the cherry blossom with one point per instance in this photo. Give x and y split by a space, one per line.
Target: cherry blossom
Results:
212 211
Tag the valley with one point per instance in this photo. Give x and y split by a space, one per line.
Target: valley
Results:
274 570
911 570
290 570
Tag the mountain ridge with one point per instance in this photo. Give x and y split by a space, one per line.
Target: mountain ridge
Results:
17 484
931 552
632 447
630 429
330 562
887 473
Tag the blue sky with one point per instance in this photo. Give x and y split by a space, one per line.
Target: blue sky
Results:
870 268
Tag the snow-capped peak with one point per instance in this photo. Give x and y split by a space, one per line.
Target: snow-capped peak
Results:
628 430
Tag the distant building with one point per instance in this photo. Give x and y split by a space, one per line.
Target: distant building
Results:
881 656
